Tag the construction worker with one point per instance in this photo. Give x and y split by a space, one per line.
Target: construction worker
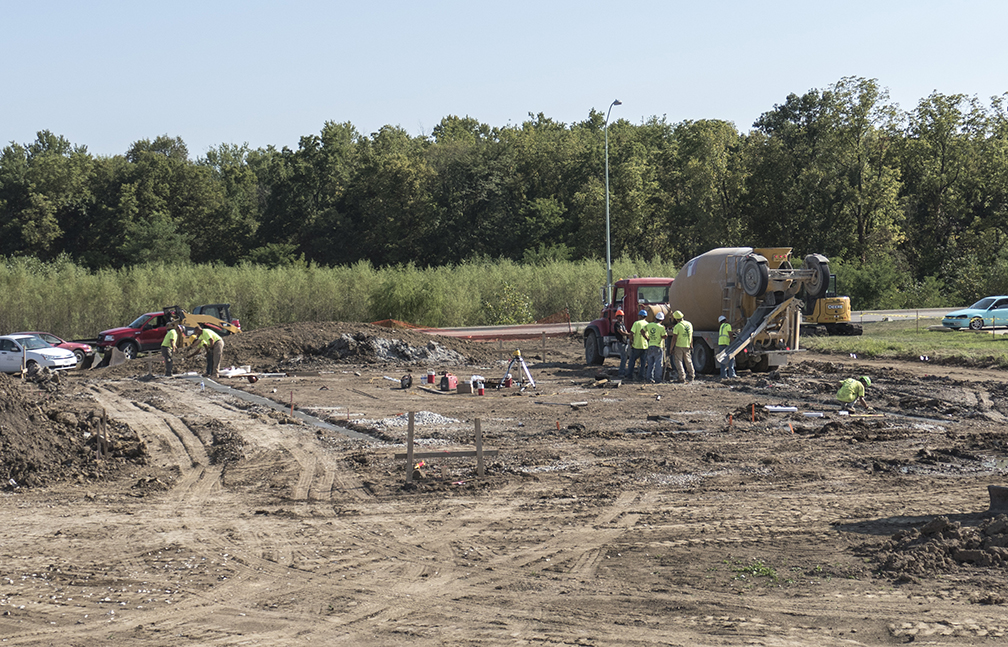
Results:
214 346
622 342
168 347
682 348
656 334
852 391
725 336
638 346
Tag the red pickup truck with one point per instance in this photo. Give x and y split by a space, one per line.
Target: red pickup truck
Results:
148 330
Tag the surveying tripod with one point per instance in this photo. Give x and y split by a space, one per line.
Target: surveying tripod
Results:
516 360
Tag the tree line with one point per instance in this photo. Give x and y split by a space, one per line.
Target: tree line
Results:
911 206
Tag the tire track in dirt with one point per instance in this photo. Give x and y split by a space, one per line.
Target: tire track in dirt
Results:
159 429
260 555
318 471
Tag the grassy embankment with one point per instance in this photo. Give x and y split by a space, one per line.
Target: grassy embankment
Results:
75 303
911 339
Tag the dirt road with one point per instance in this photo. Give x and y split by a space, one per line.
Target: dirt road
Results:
655 514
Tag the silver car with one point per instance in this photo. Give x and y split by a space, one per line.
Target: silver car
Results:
34 350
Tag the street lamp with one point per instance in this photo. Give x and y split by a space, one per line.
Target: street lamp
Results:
608 256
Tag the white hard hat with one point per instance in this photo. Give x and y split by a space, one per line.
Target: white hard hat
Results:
660 316
722 318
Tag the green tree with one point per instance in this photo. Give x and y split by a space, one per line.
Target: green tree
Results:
44 191
867 128
939 157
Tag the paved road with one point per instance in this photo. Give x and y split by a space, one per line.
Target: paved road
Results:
532 331
864 316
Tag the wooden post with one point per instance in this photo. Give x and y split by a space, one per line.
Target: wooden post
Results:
479 449
544 346
102 441
409 449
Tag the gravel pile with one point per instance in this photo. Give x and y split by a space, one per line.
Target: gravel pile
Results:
421 418
392 350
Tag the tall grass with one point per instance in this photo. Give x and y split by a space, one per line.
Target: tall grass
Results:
72 302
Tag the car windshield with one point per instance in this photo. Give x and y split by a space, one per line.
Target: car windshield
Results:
982 304
33 343
139 322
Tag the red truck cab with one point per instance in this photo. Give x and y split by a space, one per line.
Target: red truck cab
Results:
147 331
630 296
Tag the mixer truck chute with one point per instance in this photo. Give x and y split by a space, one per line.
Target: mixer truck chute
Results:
755 289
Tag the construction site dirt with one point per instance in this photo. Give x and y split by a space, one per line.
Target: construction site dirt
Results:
146 510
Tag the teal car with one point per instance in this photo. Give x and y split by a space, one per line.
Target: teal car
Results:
989 311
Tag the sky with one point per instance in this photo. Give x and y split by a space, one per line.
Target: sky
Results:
106 74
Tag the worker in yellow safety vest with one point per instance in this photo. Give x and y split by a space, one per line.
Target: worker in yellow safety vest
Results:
723 341
656 334
682 348
169 345
852 391
214 346
638 346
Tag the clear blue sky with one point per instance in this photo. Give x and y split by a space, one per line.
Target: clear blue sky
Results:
105 74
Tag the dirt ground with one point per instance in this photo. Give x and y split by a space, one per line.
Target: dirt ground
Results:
651 515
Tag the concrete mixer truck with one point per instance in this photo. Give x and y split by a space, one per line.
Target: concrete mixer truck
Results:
756 289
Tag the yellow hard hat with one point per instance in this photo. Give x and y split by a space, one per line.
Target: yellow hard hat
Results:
677 315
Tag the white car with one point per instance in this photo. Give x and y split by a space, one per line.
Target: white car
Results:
35 351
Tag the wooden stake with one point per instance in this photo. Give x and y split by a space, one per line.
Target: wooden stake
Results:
479 449
409 449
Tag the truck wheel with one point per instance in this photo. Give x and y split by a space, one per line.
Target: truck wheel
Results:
703 357
130 349
755 275
976 323
762 365
819 285
592 354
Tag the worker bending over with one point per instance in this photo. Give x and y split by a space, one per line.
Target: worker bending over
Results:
210 341
852 391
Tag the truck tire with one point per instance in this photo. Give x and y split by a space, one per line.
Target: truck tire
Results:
703 357
592 355
819 285
755 275
130 349
762 365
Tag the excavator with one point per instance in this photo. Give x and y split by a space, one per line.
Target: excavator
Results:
829 314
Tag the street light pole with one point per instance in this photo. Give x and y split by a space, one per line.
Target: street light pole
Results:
608 246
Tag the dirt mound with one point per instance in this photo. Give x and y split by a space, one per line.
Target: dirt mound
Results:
943 546
47 437
291 346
